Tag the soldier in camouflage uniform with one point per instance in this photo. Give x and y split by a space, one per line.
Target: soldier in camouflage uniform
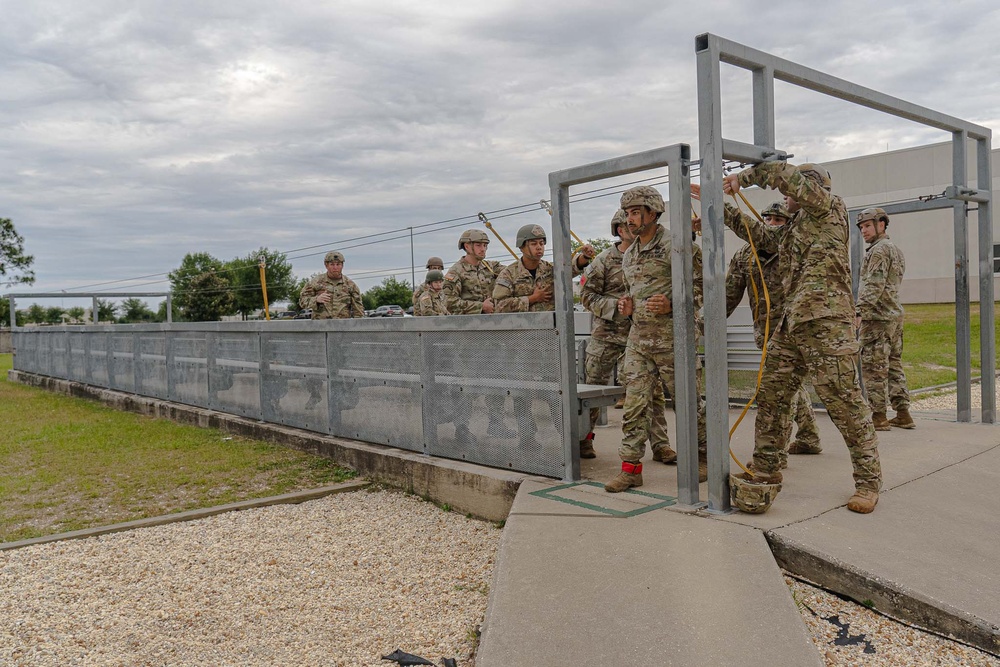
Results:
604 285
649 353
879 316
744 276
332 295
432 301
527 285
468 288
816 335
433 264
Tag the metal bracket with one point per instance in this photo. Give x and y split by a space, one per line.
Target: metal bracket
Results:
967 194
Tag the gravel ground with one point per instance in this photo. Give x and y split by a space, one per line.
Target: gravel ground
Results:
871 639
338 581
947 400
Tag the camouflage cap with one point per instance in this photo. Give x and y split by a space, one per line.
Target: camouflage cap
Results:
818 173
750 497
777 209
333 256
875 214
434 261
643 195
433 276
529 233
472 236
619 218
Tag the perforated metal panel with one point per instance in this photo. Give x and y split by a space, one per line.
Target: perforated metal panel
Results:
97 359
77 345
151 366
511 375
58 356
293 379
234 373
189 368
122 361
375 387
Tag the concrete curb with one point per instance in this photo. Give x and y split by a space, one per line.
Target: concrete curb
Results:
486 493
292 498
886 597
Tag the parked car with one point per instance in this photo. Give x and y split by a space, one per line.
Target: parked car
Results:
388 311
286 315
305 314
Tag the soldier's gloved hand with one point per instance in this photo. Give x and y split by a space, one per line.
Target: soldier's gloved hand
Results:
488 306
324 297
626 306
696 224
659 304
731 184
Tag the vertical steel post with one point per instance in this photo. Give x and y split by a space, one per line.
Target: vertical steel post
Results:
685 354
561 257
987 342
413 264
13 310
94 314
170 310
714 271
963 330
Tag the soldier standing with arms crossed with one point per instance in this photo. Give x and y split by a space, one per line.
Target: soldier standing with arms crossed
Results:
743 276
816 335
879 317
605 284
649 353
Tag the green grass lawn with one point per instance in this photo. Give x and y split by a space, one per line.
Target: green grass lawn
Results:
69 463
929 344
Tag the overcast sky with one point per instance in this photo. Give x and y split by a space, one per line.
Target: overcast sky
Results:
132 133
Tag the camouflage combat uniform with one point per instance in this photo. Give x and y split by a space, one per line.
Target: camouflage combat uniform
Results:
649 351
815 337
515 284
345 298
466 286
416 295
605 283
882 326
431 303
744 276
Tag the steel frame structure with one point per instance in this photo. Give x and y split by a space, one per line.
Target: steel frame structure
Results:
676 159
711 51
78 295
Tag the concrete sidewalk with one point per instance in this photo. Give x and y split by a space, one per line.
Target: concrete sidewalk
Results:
586 578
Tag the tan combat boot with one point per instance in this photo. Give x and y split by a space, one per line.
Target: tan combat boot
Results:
880 421
587 447
863 501
902 419
802 448
665 455
630 475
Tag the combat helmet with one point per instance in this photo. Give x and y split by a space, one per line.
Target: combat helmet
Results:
333 256
434 261
434 276
472 236
529 233
875 214
751 497
619 218
777 209
818 173
643 195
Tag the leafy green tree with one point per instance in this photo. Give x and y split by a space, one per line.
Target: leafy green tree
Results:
161 312
107 311
296 294
391 291
54 315
4 312
76 313
135 310
244 274
600 244
215 298
15 266
192 266
34 315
